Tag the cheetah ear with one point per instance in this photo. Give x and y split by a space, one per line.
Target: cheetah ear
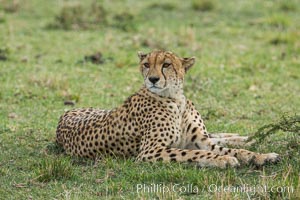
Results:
142 55
187 63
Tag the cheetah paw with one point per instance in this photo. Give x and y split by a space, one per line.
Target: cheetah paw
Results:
263 159
227 161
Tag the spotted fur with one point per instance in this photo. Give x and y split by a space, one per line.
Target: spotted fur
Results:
157 123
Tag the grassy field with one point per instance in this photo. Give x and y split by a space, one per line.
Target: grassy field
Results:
246 75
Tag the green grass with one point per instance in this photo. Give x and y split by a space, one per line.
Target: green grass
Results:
246 76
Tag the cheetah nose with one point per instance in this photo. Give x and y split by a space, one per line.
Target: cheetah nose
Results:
153 79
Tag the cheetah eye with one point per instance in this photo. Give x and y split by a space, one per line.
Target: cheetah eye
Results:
165 65
147 65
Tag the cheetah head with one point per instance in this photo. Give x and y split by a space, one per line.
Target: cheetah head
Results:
163 72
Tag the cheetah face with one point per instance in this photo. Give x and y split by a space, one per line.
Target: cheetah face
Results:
164 72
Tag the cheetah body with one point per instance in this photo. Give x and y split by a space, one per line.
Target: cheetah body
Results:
156 123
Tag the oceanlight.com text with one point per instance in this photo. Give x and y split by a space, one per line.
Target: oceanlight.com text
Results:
213 188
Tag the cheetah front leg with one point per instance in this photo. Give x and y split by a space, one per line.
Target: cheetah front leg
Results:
197 140
164 149
230 139
243 155
201 158
196 137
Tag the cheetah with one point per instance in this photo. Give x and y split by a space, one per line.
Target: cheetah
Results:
157 123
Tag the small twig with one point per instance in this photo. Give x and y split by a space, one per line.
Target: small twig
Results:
289 124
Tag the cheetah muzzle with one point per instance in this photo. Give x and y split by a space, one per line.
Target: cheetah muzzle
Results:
157 123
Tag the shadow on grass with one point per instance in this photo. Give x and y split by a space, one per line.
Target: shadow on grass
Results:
54 168
54 149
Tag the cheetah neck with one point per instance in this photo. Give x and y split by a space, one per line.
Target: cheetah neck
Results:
177 96
172 93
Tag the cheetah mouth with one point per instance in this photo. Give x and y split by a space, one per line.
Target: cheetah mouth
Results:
155 87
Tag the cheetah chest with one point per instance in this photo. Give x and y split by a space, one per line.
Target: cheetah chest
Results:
177 110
